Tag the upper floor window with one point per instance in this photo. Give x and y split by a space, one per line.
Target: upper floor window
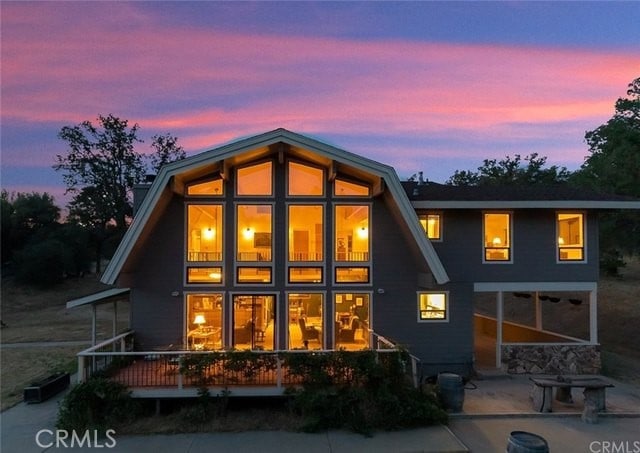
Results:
253 236
204 232
306 230
497 237
570 229
255 179
352 233
432 225
350 189
305 180
211 187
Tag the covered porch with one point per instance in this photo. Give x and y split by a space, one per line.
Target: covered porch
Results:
537 327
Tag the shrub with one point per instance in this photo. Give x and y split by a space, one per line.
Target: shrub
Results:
40 264
97 404
361 391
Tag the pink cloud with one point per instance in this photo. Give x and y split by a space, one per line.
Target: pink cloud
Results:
61 65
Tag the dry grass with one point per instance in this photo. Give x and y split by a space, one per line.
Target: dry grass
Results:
41 316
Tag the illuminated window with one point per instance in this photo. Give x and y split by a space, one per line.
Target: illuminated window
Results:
351 233
253 236
432 225
253 322
305 180
352 322
305 275
255 179
570 229
349 189
211 187
306 230
497 237
432 307
352 275
254 275
306 325
204 232
204 275
204 321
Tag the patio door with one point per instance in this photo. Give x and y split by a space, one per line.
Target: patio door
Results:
254 321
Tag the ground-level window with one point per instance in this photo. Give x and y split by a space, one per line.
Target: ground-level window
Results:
306 326
433 306
352 320
204 321
497 237
570 226
254 321
432 225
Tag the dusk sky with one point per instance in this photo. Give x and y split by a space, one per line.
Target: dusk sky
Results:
431 86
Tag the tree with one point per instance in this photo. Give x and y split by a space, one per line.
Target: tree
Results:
6 209
614 163
166 150
519 171
614 167
30 213
100 169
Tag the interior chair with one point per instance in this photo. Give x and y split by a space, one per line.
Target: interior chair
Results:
348 335
308 333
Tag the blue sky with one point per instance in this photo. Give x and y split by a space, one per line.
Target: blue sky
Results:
431 86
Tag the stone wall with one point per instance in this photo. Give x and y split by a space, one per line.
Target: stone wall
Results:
551 359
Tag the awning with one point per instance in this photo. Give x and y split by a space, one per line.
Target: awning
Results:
102 297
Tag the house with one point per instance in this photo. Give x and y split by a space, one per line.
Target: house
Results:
280 242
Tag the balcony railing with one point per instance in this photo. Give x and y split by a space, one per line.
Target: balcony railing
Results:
246 372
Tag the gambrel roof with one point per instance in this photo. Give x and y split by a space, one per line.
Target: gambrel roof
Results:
173 176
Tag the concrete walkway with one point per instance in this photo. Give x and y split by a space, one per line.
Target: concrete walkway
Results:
498 406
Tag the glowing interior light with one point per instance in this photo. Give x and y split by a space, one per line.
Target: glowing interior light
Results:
497 241
363 232
247 233
208 233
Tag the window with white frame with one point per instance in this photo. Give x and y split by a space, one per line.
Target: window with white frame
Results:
497 236
433 306
570 233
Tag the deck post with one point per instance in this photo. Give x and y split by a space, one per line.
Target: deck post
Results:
81 376
180 373
278 372
538 311
500 316
593 316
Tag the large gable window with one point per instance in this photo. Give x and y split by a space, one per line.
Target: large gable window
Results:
497 237
570 228
305 180
350 189
212 187
204 232
352 233
306 230
255 179
253 236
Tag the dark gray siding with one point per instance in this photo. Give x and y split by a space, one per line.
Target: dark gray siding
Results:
156 315
441 346
533 249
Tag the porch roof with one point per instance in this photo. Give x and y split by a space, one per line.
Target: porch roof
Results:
102 297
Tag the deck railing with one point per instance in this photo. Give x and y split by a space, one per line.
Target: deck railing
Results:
177 370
